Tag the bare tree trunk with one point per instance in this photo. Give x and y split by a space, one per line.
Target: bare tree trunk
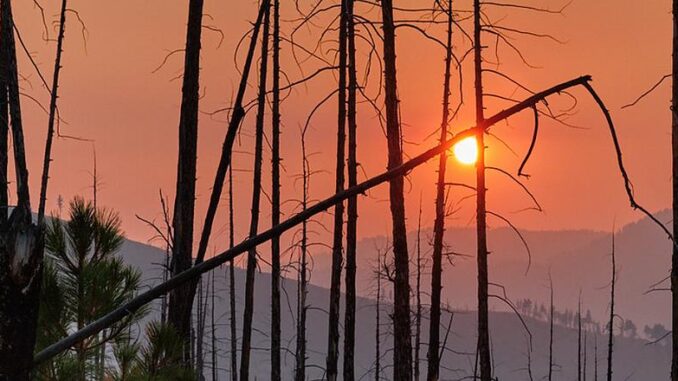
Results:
402 351
595 358
4 135
417 315
20 264
275 200
331 367
551 310
256 197
52 113
165 276
181 299
439 224
231 279
610 340
377 335
352 204
215 350
481 212
674 144
300 366
579 340
585 357
200 333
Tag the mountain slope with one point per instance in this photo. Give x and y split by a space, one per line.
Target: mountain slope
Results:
576 259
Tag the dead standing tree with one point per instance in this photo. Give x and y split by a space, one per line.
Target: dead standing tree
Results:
551 311
352 204
402 341
610 337
52 112
331 366
275 198
231 281
439 224
22 247
256 198
674 145
302 308
181 299
485 364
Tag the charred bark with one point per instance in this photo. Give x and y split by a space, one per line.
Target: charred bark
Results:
300 353
674 145
352 203
551 311
579 354
417 314
331 366
52 112
256 198
439 224
231 281
484 355
181 299
275 199
402 342
610 338
21 243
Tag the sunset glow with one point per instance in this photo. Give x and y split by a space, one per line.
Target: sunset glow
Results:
466 150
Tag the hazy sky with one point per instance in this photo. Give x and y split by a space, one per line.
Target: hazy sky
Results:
108 93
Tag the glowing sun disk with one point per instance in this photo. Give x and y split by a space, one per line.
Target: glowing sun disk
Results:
466 150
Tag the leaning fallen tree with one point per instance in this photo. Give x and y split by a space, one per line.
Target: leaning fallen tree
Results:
399 171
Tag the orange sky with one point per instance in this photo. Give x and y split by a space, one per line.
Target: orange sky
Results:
109 94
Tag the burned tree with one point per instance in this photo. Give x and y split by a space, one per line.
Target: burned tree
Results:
331 366
21 250
439 224
481 211
275 198
402 342
181 299
256 198
231 281
610 337
551 311
674 145
302 292
352 204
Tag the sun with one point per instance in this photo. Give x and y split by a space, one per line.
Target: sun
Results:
466 150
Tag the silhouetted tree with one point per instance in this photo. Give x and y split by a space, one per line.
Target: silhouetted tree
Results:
256 198
215 350
481 212
331 366
417 313
610 339
402 342
231 281
674 145
551 312
439 223
300 352
579 354
181 299
275 198
52 112
352 204
21 249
